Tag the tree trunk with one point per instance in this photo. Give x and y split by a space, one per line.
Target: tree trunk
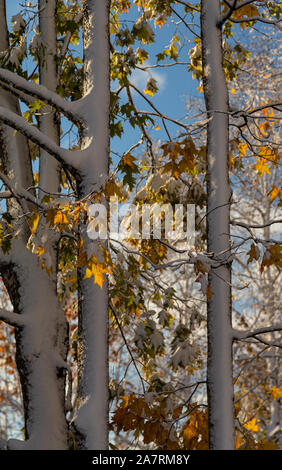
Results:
92 419
49 169
219 364
41 340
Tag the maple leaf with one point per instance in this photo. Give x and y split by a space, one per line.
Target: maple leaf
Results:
272 256
253 253
262 167
252 425
274 193
33 221
129 160
97 270
276 392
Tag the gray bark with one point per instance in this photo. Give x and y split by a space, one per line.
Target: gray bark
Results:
219 364
92 419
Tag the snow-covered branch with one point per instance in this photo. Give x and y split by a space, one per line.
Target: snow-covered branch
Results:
234 6
247 226
17 191
42 93
254 18
12 318
239 335
64 156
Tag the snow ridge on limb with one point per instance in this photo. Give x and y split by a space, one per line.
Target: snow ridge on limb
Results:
240 335
69 109
72 158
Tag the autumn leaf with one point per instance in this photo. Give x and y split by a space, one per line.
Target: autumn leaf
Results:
274 193
262 167
33 221
253 253
276 392
252 425
60 218
243 147
272 256
129 160
97 270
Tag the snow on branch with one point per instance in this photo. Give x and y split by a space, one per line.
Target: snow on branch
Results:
17 191
240 335
234 6
42 93
254 18
12 318
66 157
247 226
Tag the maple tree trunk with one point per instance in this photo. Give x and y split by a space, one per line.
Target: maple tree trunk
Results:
92 419
219 363
41 340
49 168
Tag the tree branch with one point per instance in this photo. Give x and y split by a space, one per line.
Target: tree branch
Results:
17 191
12 318
239 335
66 157
127 346
267 224
41 92
254 18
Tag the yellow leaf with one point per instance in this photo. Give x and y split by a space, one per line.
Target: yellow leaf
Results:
40 250
262 167
60 218
274 193
276 392
97 270
232 90
243 147
252 425
33 222
148 92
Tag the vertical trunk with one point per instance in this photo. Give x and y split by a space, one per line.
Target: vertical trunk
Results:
92 419
49 169
41 344
15 157
220 383
41 352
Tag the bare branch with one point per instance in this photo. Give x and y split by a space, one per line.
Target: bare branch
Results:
127 346
247 226
239 335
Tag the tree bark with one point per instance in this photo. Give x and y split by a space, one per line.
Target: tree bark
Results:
92 419
49 169
219 363
41 337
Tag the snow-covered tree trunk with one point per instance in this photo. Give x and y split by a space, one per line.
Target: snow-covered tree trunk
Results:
49 167
219 365
41 330
92 419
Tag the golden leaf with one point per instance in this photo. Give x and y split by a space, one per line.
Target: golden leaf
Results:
251 425
33 221
274 193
